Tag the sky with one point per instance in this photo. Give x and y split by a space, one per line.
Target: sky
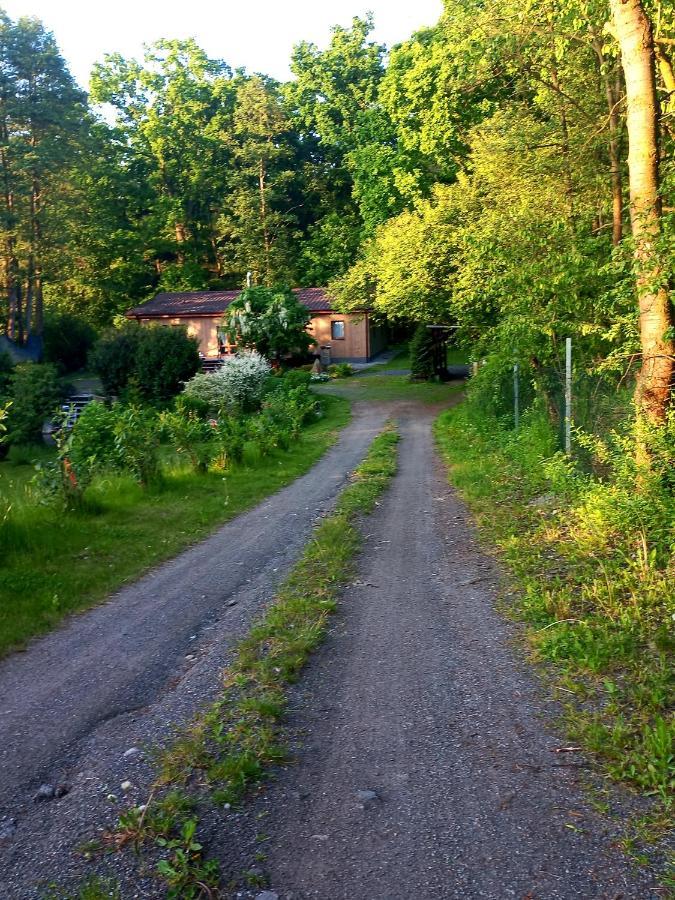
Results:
255 34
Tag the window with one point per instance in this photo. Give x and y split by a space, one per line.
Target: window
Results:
337 331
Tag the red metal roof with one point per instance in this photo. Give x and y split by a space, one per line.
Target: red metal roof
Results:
214 303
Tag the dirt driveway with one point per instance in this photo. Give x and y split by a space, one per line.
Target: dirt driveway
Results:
426 764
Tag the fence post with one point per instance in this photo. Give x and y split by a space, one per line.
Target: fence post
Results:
516 397
568 396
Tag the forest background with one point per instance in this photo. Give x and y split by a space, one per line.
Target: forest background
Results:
473 175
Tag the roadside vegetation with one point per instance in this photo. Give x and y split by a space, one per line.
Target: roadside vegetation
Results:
131 485
591 565
235 742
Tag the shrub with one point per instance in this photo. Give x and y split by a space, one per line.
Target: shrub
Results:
237 386
421 354
6 369
67 340
290 410
296 378
114 357
137 442
155 362
35 393
270 319
166 359
92 441
231 436
190 435
340 370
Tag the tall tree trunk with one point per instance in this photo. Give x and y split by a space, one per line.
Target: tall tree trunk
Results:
12 285
263 218
655 381
613 93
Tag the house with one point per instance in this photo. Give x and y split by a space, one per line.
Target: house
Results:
352 337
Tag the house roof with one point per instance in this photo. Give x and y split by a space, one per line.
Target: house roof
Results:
214 303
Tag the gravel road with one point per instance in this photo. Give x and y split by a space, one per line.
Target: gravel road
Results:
123 674
426 751
426 764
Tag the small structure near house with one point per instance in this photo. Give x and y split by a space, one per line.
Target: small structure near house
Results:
351 337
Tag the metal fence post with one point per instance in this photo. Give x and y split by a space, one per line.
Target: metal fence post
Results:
568 396
516 397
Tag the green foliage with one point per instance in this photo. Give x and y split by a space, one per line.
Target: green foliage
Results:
270 320
67 340
114 357
592 560
137 438
6 369
340 370
35 392
153 362
191 435
421 354
165 359
236 387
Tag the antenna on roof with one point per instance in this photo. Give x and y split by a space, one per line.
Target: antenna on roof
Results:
248 278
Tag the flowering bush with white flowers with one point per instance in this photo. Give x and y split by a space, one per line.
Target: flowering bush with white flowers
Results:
238 385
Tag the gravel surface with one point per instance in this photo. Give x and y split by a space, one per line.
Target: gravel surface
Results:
120 677
426 750
426 763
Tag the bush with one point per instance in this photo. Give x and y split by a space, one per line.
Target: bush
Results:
67 340
6 369
92 440
422 354
166 359
137 442
190 435
296 378
231 436
340 370
114 357
154 362
35 393
237 386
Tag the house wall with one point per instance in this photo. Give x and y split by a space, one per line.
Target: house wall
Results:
355 346
203 327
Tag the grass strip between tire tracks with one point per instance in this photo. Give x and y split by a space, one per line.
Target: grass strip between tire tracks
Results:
230 746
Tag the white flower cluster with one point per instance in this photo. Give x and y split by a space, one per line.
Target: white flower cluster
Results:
238 384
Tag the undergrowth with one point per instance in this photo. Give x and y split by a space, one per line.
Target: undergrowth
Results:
593 566
232 744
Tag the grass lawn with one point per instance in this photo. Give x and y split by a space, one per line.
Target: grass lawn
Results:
52 563
389 388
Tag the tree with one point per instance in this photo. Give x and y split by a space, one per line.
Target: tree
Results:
657 376
256 224
270 320
41 118
175 112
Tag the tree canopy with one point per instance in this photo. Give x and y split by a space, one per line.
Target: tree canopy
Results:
504 171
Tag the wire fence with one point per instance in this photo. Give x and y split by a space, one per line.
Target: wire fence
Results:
575 396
